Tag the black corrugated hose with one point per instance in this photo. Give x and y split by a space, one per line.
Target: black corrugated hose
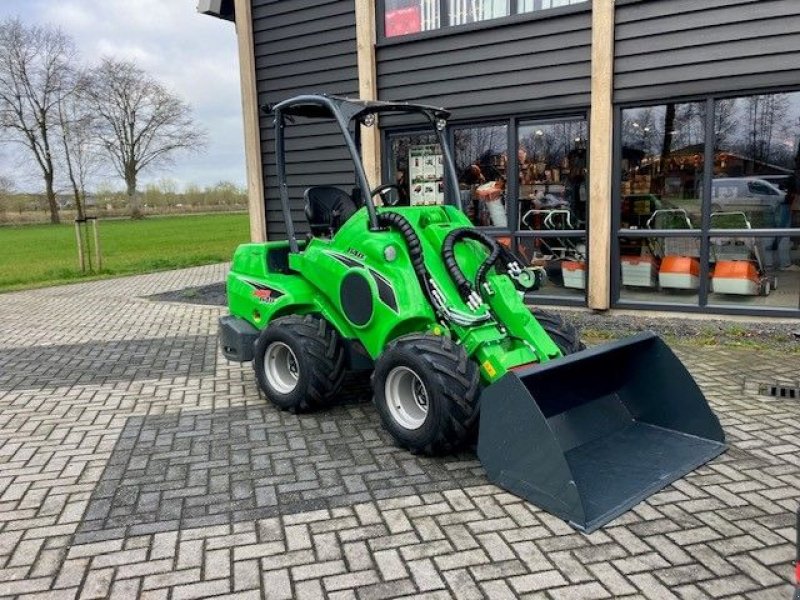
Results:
401 224
497 251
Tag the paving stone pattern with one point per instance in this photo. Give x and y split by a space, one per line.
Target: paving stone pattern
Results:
93 363
136 462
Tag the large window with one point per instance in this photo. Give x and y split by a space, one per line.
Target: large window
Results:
552 176
662 162
404 17
661 190
702 221
481 157
552 162
524 180
756 147
755 186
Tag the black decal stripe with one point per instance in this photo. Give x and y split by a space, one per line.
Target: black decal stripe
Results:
385 290
345 260
255 284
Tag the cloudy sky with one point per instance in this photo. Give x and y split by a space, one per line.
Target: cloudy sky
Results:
193 55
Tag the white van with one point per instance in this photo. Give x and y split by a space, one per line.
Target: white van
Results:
747 194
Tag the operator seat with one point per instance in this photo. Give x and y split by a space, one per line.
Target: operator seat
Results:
327 209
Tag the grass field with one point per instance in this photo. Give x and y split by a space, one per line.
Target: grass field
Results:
40 255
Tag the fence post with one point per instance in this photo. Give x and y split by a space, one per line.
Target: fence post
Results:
79 241
97 250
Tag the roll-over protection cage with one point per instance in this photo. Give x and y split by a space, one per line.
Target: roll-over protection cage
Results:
345 111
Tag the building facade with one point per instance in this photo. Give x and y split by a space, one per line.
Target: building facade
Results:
645 152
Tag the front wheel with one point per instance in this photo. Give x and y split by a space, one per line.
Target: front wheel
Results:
426 392
299 362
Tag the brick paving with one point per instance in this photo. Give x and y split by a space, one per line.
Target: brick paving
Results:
136 462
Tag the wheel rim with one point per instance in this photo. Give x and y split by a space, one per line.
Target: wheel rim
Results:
281 368
407 398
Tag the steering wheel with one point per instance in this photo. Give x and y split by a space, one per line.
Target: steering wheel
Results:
383 189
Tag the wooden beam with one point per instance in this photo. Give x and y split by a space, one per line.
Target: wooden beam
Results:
368 86
601 155
252 127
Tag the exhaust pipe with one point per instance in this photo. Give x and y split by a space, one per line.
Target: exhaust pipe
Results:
588 436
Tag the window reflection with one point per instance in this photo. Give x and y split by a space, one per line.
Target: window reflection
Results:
524 6
472 11
564 261
403 17
755 271
481 157
662 161
553 184
662 189
757 147
662 268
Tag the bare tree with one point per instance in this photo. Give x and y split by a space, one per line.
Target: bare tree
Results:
77 128
36 75
6 192
669 129
725 123
143 126
766 116
6 186
641 129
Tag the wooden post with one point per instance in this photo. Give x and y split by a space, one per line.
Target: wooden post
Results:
98 252
368 87
601 155
252 127
79 242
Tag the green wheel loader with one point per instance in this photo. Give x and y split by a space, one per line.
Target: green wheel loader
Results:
436 309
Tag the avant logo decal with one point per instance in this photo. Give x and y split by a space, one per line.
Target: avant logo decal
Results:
356 253
264 295
262 292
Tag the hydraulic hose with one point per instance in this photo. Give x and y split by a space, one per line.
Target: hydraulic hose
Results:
465 288
401 224
434 296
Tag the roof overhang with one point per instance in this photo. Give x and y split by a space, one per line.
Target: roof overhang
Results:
222 9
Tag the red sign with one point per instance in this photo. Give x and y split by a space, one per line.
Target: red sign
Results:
403 21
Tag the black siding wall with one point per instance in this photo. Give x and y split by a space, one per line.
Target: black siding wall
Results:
304 46
664 49
519 65
669 48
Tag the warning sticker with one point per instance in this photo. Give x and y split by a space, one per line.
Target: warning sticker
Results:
489 368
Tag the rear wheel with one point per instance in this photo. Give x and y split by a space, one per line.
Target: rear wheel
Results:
564 335
299 362
426 392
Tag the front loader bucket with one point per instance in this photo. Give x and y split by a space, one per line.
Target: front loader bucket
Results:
588 436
